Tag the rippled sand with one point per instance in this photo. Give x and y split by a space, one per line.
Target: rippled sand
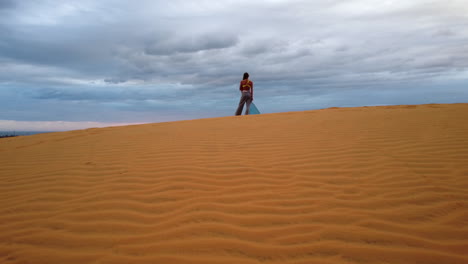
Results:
344 185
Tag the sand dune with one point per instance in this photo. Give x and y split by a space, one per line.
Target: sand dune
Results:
344 185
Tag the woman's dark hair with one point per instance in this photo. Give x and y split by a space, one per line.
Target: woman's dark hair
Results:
246 76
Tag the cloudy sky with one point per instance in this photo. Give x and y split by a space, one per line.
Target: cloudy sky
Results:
74 64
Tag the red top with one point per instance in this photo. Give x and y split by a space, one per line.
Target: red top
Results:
246 85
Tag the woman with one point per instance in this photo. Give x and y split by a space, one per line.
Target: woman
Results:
246 88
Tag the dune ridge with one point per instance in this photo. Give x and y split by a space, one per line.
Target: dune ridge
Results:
342 185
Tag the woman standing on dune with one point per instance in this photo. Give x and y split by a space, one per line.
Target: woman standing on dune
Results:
246 88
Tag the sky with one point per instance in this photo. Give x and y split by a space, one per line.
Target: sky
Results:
76 64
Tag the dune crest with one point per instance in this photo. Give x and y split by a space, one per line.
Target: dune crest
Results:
345 185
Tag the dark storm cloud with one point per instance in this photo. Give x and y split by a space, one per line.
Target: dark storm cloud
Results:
110 94
115 80
190 45
69 48
7 4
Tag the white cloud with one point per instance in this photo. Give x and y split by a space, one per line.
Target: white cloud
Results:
12 125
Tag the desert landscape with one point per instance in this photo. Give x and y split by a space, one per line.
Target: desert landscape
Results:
384 184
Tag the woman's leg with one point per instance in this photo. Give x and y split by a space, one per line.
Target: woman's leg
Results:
241 105
248 102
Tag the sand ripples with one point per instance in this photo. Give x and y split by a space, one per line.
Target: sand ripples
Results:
357 185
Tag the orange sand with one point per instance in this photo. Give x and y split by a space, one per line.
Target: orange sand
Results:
342 185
